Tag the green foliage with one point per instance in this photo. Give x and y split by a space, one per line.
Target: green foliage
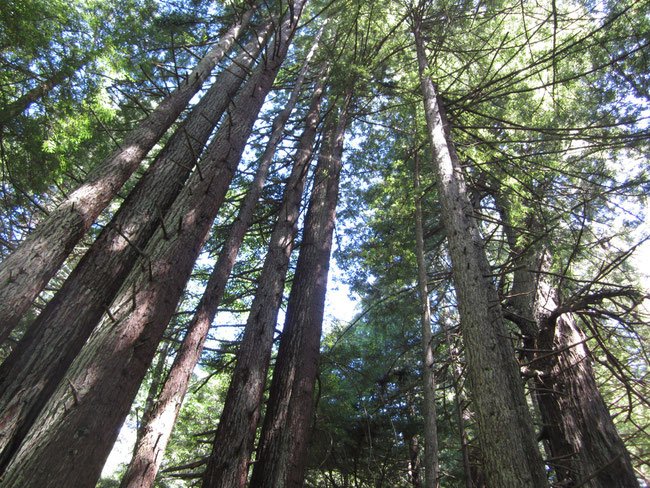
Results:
547 102
191 438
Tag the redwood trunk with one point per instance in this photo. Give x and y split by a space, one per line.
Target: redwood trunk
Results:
505 430
233 443
36 366
73 435
149 449
28 268
585 447
284 438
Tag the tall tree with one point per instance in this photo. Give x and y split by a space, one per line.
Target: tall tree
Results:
40 360
545 102
228 463
507 438
584 446
428 376
22 104
150 447
88 407
282 450
30 266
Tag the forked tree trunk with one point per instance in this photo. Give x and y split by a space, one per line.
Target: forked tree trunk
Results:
37 364
585 447
150 447
283 442
431 466
26 271
233 443
76 430
505 429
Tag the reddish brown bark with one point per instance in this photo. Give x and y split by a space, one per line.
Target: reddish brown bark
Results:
150 447
73 435
283 443
37 364
581 439
233 444
585 448
30 266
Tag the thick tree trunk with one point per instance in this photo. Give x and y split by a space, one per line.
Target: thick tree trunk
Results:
284 439
505 430
431 466
149 449
75 431
28 268
37 364
233 443
585 447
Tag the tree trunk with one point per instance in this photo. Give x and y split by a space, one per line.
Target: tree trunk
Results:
414 461
149 449
284 439
505 430
75 431
157 375
585 447
28 268
459 400
413 444
37 364
22 103
583 444
233 443
431 466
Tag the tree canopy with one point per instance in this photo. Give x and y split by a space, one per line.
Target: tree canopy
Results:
543 108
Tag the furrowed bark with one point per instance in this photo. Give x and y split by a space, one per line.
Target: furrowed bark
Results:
431 467
584 446
149 450
233 443
505 430
37 364
26 271
283 443
74 433
581 439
